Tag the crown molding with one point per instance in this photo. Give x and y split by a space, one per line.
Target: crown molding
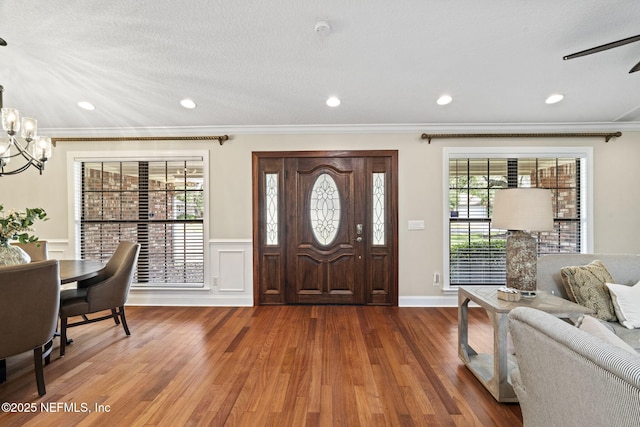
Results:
343 129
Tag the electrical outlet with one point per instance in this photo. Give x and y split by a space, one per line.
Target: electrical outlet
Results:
436 279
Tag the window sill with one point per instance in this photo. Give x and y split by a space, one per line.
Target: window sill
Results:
169 288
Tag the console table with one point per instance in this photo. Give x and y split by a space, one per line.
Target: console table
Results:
493 370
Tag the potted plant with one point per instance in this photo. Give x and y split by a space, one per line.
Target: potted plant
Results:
17 226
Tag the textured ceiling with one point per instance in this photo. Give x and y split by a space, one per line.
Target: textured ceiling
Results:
252 64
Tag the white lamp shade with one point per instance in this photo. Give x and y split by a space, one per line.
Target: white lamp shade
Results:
526 209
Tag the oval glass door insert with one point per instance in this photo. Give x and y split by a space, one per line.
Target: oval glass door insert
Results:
325 209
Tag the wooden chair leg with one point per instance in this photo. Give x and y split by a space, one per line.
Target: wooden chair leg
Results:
124 321
116 318
63 335
37 360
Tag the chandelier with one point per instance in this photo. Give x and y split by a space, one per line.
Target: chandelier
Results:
21 145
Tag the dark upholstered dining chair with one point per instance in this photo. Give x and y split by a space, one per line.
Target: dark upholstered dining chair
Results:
37 251
107 291
29 299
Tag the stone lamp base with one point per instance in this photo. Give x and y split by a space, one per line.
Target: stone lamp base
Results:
521 262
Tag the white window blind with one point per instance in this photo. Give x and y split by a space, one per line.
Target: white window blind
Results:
476 249
157 203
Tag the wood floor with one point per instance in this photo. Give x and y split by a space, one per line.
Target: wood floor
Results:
262 366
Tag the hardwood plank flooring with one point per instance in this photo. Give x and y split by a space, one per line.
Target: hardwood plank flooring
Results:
263 366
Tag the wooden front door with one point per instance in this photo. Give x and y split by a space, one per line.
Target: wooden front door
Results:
325 228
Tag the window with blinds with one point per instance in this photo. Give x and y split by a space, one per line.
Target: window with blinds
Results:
157 203
476 249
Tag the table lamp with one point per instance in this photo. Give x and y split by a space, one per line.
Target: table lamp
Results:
520 211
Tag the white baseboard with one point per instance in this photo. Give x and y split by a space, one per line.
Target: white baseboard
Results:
156 299
182 300
429 301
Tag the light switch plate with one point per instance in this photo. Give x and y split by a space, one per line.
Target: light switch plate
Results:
416 224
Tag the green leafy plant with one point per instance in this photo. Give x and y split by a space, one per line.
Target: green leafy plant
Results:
18 225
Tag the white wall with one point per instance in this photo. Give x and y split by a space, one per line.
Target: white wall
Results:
616 202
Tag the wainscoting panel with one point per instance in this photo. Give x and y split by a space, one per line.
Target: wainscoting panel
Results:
231 268
229 280
59 249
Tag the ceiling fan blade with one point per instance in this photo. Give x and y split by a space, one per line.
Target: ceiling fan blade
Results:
603 47
635 68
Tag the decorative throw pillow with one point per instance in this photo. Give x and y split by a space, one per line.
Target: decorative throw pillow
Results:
585 285
601 330
626 303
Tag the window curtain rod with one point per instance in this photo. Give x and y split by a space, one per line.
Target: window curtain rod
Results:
606 135
220 138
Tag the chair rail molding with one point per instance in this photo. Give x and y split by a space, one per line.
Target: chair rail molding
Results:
59 249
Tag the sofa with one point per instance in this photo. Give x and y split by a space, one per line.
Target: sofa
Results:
623 268
568 377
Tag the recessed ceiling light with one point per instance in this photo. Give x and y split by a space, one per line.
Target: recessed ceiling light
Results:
188 103
322 27
333 101
444 100
85 105
556 97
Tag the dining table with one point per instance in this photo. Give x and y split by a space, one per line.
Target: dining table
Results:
73 270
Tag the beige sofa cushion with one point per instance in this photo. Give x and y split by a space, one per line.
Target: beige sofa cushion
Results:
585 285
597 328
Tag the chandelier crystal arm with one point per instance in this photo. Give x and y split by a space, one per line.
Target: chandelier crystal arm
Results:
35 150
23 151
17 171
